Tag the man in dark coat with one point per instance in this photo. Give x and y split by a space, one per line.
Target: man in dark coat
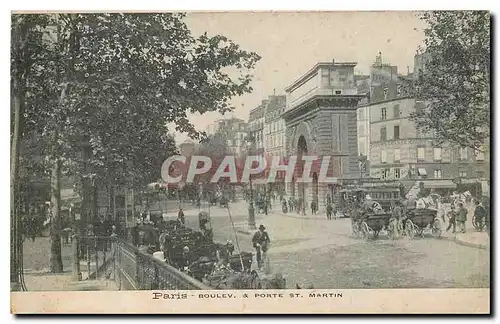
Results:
180 216
461 217
480 214
329 210
260 242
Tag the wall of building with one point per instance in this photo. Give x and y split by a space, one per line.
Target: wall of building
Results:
274 126
414 150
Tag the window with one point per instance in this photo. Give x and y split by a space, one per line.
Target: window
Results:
386 92
419 106
463 153
396 132
437 154
397 155
383 133
479 156
462 174
383 156
386 173
361 113
420 154
480 174
397 111
438 174
383 113
397 173
361 130
399 88
361 147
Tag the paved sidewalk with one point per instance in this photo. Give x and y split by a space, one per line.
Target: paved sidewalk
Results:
64 282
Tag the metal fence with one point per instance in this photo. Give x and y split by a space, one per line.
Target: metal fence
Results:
131 268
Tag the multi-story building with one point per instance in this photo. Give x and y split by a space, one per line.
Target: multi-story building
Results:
274 126
235 132
256 127
400 150
274 135
320 118
380 73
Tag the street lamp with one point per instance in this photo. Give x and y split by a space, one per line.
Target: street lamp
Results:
251 209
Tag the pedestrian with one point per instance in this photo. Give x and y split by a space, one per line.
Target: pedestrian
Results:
260 241
313 207
461 217
284 206
329 210
180 217
480 215
334 210
452 220
290 204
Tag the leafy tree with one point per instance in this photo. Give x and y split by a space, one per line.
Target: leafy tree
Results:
100 89
455 82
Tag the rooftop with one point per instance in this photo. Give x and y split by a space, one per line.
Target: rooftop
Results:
309 74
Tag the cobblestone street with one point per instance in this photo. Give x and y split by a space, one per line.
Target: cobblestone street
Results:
314 251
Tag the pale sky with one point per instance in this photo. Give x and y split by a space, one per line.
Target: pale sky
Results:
291 43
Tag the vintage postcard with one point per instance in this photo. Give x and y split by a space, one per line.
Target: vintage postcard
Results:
250 162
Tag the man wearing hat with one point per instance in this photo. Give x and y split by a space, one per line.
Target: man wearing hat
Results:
260 241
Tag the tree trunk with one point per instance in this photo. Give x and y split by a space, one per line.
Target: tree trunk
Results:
95 197
86 190
56 265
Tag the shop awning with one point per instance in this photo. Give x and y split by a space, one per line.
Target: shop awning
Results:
259 181
439 184
422 172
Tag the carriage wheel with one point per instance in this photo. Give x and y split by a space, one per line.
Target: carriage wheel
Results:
409 229
400 227
436 228
478 225
365 231
354 228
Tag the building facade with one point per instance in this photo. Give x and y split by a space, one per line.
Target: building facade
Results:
401 151
274 126
274 136
320 119
234 130
256 127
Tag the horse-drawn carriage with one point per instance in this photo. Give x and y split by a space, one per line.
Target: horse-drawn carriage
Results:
370 219
419 219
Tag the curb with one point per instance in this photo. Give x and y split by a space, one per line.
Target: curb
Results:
474 245
465 243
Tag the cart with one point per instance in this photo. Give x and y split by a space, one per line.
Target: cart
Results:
372 224
420 219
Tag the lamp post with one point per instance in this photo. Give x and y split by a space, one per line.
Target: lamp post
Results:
251 209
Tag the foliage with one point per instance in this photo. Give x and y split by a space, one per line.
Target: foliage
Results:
113 81
455 81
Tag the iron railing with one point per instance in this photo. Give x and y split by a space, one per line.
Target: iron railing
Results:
129 267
